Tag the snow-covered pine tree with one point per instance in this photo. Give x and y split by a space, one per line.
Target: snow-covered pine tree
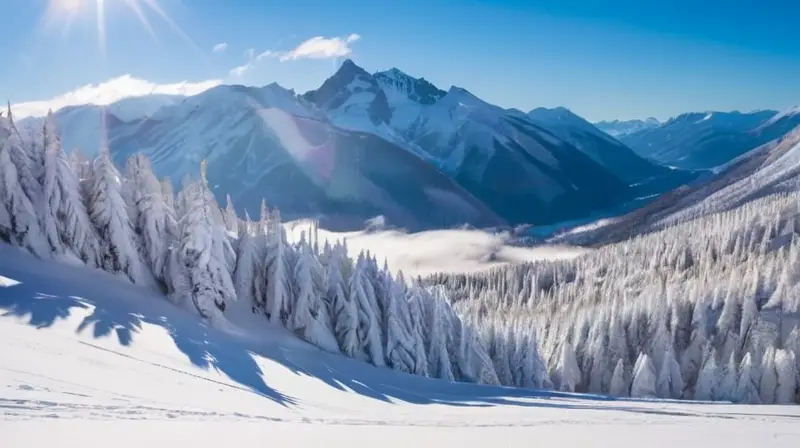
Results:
729 380
230 218
369 326
620 385
747 388
707 387
569 373
19 222
246 278
153 219
109 215
644 378
400 346
64 200
438 355
306 314
198 272
419 330
278 284
50 189
344 311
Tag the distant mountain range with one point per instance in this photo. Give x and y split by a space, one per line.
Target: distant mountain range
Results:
366 144
704 140
620 128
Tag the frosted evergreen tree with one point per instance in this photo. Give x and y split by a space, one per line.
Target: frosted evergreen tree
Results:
168 192
499 351
644 378
400 347
47 174
108 212
369 331
669 383
473 360
569 374
80 164
245 276
416 312
278 266
199 273
153 219
305 315
747 388
707 387
438 355
64 199
19 223
787 376
620 385
729 381
692 357
344 311
768 384
230 217
21 156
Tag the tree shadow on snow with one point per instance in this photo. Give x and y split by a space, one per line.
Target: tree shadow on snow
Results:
38 299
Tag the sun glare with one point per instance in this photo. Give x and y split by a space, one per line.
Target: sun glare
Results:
67 6
66 11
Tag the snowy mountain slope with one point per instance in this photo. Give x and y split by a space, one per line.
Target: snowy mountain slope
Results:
609 152
499 155
269 143
704 140
88 126
619 128
89 358
773 168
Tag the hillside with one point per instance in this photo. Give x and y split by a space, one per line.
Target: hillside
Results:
89 357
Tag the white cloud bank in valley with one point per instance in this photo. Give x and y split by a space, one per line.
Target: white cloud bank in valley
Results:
110 92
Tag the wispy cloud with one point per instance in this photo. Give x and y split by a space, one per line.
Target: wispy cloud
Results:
320 47
251 60
109 92
220 47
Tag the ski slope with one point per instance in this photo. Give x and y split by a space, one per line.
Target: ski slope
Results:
89 360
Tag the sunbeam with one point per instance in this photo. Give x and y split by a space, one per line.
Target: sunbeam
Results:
67 11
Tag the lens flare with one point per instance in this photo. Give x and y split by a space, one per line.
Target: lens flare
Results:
67 11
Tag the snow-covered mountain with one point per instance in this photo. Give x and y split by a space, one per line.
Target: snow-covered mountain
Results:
500 156
619 128
367 144
604 149
702 140
270 143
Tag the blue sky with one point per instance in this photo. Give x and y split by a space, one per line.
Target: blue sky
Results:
602 59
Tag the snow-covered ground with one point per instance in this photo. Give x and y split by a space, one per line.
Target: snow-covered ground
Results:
433 251
89 360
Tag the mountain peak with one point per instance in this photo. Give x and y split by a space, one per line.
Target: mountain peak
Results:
349 67
345 90
415 89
